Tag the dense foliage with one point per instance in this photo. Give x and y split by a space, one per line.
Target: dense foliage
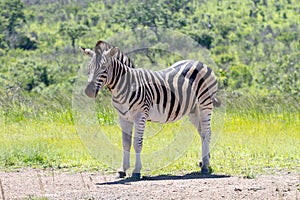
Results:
255 44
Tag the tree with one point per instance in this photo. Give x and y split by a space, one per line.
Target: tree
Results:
256 2
25 42
73 31
282 76
12 19
164 13
205 39
12 15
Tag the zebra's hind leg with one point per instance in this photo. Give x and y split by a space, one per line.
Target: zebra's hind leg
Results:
126 141
200 118
205 117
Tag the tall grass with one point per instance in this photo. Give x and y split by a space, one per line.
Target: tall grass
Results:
39 133
252 141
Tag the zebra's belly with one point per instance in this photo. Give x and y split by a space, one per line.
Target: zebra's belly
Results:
159 115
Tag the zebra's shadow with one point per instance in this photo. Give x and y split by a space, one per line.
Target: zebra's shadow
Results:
193 175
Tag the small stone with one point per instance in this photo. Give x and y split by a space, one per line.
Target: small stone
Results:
237 189
285 190
256 188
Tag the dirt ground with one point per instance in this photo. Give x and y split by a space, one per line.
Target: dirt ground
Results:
47 184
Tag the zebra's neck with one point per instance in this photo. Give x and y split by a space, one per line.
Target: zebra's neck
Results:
120 80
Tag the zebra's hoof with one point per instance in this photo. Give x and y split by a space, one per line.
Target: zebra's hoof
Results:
205 171
121 174
136 175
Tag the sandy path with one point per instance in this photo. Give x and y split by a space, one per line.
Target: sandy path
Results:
29 183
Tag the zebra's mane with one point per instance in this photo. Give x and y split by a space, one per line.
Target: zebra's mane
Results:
102 46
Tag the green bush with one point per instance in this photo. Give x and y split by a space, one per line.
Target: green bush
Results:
239 77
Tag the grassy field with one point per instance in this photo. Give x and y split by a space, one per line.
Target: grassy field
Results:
244 144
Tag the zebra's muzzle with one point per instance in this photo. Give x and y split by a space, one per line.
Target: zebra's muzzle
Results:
90 90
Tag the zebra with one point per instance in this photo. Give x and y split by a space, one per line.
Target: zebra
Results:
188 87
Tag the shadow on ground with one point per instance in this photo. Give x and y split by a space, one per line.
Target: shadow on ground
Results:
193 175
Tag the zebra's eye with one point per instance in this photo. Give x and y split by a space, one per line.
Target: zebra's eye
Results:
105 70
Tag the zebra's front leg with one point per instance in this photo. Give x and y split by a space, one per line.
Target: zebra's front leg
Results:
126 141
138 145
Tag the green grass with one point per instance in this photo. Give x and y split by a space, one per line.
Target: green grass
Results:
41 144
253 145
247 144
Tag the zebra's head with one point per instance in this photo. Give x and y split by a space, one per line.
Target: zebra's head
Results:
99 70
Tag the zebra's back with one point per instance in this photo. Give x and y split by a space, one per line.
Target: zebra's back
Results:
187 83
173 92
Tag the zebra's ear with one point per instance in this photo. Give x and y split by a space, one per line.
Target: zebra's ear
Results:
102 46
87 52
113 51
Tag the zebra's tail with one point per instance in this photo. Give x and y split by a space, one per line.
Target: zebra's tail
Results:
216 101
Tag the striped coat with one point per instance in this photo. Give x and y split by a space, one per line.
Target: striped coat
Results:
188 87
